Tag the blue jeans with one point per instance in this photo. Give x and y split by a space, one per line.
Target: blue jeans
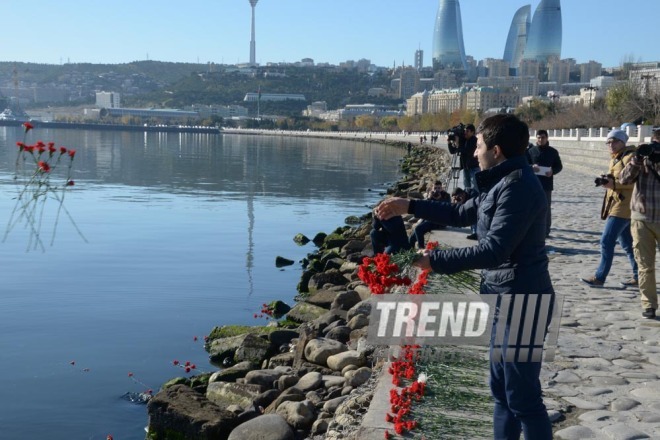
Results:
516 389
519 406
616 229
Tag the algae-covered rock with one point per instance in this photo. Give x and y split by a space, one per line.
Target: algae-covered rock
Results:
352 220
179 412
319 239
304 312
300 239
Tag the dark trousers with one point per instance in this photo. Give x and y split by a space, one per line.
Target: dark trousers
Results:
389 236
420 230
516 386
548 219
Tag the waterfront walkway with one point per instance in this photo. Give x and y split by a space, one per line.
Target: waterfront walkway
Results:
605 380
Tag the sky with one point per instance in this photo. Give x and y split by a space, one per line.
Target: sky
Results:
387 32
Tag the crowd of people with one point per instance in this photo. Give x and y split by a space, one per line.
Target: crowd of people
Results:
507 203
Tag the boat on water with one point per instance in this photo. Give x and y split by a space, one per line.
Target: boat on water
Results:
8 115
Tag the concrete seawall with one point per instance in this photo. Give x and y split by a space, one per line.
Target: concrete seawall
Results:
582 150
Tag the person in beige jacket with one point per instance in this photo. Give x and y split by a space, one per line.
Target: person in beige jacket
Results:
615 212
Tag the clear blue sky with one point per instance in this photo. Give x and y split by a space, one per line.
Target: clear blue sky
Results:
383 31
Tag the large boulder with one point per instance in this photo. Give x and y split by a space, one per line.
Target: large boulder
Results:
310 381
179 411
340 360
232 373
318 350
247 347
322 298
300 415
265 378
225 394
303 312
332 276
265 427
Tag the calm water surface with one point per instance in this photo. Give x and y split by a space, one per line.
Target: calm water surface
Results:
183 231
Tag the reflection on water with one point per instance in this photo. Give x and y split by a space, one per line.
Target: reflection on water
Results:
183 234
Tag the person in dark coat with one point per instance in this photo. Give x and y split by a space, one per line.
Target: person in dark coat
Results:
543 155
510 212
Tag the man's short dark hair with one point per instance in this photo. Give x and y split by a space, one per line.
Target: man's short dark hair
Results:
542 133
656 135
470 127
507 131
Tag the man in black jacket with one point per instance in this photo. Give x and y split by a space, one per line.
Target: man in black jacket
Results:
546 163
510 213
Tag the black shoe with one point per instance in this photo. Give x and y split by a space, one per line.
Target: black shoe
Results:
472 237
649 313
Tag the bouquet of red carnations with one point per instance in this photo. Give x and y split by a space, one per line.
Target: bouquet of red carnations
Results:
35 168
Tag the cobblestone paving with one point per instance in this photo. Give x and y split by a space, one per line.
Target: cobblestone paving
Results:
605 378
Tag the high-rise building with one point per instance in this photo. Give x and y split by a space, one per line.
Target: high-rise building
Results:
590 70
544 36
448 49
516 42
497 67
253 44
419 59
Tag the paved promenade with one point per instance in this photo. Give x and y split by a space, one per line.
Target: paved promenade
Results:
606 376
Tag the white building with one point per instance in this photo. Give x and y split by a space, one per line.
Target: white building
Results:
108 100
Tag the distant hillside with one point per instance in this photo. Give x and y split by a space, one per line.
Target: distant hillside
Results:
176 85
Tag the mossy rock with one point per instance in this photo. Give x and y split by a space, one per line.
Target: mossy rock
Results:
304 312
279 308
176 381
227 331
301 239
319 239
352 220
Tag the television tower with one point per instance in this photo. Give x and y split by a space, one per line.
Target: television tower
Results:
253 57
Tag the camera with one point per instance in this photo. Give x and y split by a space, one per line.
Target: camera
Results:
650 151
452 133
603 179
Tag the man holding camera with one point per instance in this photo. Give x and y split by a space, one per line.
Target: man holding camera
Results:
642 171
510 213
615 211
543 155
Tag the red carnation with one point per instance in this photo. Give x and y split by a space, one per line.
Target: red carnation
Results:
43 166
27 126
72 153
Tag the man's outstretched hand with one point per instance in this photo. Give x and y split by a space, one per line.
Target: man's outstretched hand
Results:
391 208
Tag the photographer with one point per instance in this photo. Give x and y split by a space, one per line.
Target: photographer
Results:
615 211
642 171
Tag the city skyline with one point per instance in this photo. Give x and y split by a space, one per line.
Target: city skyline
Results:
382 31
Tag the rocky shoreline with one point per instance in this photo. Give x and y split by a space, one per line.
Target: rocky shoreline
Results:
304 375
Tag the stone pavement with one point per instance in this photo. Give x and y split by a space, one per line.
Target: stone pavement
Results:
605 378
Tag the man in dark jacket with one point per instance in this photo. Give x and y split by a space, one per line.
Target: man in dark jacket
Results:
510 212
546 163
470 168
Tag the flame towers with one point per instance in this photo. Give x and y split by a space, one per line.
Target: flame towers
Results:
516 42
544 40
253 50
448 49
